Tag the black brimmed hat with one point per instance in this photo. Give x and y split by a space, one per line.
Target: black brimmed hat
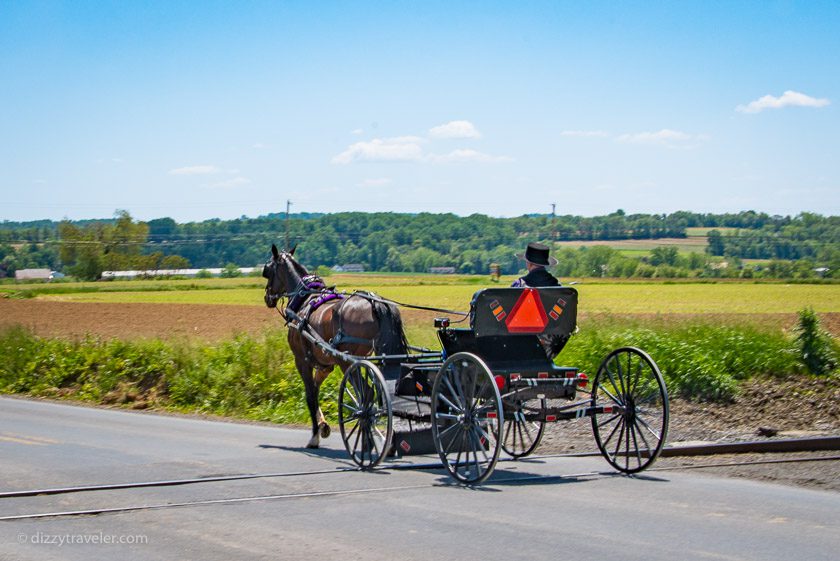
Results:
537 254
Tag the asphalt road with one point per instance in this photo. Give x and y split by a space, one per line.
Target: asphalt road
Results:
546 508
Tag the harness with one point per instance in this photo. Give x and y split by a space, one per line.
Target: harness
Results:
310 294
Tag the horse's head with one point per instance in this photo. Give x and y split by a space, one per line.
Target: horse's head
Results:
277 272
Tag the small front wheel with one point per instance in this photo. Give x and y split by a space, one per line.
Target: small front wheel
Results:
467 418
633 425
364 414
524 426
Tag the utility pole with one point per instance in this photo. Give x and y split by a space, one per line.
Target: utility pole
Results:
553 224
288 206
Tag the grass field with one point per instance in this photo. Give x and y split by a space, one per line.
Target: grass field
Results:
695 244
704 232
455 292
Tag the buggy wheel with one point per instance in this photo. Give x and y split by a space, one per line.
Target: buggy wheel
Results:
632 429
364 414
467 418
522 436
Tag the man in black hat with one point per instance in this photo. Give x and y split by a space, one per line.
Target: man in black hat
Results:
537 259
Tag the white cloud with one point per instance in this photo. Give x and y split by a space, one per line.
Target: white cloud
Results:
375 182
468 155
258 145
788 99
357 132
235 182
664 137
455 129
397 149
586 134
194 170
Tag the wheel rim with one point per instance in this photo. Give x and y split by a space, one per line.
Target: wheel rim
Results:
364 414
467 418
633 434
521 436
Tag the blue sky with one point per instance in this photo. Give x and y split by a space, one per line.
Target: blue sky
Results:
207 109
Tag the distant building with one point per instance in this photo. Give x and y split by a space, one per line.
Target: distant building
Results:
349 268
32 274
442 270
215 271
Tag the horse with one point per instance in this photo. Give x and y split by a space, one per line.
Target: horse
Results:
357 324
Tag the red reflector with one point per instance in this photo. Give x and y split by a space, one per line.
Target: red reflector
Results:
500 382
570 374
528 314
551 418
405 446
491 415
515 377
607 408
419 386
582 380
542 374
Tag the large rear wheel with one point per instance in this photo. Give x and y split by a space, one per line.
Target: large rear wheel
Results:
631 430
467 418
364 414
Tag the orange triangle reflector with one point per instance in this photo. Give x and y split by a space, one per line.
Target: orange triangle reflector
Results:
528 314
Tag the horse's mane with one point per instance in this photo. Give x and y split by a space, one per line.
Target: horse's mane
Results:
299 269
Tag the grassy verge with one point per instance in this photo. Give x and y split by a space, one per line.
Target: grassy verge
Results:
254 377
698 360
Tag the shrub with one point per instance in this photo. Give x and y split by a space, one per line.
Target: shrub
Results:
814 345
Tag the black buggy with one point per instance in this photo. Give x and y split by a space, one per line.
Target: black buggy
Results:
493 388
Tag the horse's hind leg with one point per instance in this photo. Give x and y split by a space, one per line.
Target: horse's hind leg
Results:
321 375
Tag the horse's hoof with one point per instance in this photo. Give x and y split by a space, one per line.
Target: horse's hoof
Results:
325 430
314 442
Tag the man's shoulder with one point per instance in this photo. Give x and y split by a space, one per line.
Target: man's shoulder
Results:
540 277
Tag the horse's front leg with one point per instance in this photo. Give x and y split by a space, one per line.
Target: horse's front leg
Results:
321 375
311 391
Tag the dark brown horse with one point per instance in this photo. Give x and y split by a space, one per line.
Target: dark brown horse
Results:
356 324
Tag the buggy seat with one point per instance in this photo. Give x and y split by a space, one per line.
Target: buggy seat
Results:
510 329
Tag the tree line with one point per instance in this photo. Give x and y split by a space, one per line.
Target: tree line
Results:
417 242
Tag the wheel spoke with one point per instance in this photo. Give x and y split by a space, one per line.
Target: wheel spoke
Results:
612 433
611 419
620 438
450 404
453 393
642 436
648 427
611 396
635 444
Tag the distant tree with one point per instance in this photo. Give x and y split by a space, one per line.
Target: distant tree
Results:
715 241
664 255
174 262
231 270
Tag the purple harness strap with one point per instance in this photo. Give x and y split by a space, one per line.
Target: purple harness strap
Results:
322 299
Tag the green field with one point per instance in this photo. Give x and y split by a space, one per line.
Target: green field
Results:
455 292
703 232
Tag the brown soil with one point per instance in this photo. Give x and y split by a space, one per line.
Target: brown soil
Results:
215 321
126 321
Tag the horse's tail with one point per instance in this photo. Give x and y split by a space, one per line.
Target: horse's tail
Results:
391 339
